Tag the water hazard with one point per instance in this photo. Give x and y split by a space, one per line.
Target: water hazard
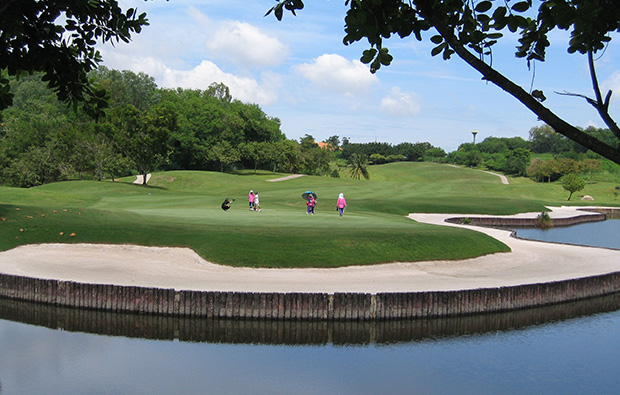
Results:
596 234
570 348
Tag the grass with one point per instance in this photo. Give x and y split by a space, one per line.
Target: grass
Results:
183 209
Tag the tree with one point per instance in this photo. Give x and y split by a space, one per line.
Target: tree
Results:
413 152
143 137
377 159
572 183
58 38
250 151
126 87
434 154
358 166
224 153
473 158
334 141
286 156
545 139
469 29
590 166
517 161
103 155
220 92
537 170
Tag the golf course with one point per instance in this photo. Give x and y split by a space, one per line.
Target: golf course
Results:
182 208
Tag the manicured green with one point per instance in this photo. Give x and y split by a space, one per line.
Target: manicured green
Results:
183 209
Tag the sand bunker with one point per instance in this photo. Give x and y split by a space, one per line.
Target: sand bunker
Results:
183 269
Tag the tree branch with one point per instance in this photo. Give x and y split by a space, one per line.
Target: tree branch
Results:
601 106
588 99
6 6
559 125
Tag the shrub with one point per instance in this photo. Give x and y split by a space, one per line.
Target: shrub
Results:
544 221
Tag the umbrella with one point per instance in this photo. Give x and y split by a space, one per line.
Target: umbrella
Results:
306 195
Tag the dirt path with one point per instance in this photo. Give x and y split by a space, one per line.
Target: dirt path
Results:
502 177
286 178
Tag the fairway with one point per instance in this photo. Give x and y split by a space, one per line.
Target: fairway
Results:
183 209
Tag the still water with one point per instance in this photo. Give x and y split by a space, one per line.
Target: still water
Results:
572 348
600 234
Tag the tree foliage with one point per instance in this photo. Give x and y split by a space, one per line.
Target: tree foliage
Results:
572 183
470 29
145 129
150 129
358 167
58 38
143 137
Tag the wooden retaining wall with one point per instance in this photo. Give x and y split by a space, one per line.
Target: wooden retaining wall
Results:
527 222
600 214
303 306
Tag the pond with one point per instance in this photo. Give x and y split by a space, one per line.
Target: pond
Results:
598 234
570 348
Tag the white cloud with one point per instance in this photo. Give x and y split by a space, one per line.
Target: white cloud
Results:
241 88
613 83
246 89
335 73
247 45
400 103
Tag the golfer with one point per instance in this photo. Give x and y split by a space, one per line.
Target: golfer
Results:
341 204
226 204
311 203
257 202
251 199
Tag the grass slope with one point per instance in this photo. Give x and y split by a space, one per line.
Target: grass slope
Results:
183 209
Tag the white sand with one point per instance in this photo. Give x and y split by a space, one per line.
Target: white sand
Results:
181 268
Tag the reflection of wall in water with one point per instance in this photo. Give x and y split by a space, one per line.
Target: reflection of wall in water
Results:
299 306
292 332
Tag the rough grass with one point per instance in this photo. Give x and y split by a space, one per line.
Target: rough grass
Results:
182 209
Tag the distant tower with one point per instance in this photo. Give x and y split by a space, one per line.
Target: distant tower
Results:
474 133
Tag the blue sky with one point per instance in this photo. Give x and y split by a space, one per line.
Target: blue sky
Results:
299 71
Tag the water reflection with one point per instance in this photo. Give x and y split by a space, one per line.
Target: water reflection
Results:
271 332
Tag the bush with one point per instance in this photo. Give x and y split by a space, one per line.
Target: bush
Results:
544 221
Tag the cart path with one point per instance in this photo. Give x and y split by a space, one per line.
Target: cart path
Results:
286 178
502 177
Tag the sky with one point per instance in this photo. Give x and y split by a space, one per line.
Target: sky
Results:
299 71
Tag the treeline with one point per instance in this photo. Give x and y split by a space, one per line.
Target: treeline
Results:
379 153
514 155
145 128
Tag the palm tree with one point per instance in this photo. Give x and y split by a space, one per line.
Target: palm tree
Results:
358 164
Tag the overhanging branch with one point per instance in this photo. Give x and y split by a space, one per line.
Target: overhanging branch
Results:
498 79
601 106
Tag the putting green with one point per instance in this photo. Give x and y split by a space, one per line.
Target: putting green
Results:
183 209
